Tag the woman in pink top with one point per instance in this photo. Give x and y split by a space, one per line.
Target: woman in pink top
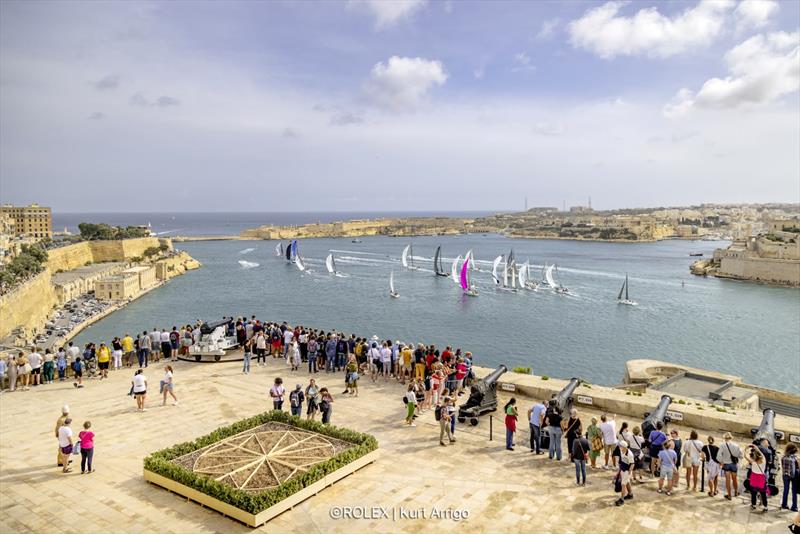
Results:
461 373
86 437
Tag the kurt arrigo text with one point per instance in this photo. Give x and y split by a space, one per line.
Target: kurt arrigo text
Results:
396 513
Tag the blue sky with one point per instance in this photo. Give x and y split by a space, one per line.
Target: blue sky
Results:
296 106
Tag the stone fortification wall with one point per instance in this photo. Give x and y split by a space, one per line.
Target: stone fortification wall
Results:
760 269
28 305
77 255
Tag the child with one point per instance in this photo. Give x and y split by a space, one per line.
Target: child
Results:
86 438
77 369
61 364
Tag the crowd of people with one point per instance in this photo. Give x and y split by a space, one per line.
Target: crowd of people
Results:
433 381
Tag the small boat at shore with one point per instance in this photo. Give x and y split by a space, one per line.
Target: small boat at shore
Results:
392 293
627 301
356 240
696 254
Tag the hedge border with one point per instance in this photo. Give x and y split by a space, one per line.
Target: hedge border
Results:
160 462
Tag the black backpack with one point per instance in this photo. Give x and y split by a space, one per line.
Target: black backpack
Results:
437 413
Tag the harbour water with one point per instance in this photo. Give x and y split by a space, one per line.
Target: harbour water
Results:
738 328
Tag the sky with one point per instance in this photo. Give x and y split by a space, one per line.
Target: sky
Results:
397 105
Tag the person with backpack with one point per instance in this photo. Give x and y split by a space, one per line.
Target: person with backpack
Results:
656 439
174 343
728 457
410 400
442 415
791 476
626 462
510 409
296 399
277 392
758 476
77 370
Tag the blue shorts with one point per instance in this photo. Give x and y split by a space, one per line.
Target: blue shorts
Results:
666 473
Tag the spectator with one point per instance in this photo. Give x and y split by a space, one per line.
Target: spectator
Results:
657 438
626 462
296 399
574 430
247 353
65 444
579 454
59 424
86 437
609 431
667 460
325 405
728 458
552 420
277 393
312 394
23 371
595 437
103 359
535 420
791 474
168 386
709 456
77 372
758 476
127 350
145 346
692 460
139 384
510 409
444 423
48 368
35 361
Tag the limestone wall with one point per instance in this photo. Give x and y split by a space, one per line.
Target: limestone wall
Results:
28 305
79 254
760 270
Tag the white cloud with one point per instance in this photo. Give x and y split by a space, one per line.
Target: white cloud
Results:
547 29
403 82
754 13
388 12
763 68
522 62
647 33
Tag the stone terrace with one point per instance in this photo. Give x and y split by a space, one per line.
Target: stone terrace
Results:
501 490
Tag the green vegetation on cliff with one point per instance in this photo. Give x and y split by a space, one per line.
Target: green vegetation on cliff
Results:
92 232
29 262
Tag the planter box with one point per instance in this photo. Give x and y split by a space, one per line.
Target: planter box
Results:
255 520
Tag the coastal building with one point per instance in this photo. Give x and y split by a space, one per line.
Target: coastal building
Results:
146 275
71 284
117 287
30 221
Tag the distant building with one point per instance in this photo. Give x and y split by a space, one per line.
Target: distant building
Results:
126 284
580 209
30 221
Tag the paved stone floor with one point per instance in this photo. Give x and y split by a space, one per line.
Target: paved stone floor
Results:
501 491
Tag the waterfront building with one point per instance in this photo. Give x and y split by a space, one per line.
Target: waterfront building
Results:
30 221
146 275
117 287
72 284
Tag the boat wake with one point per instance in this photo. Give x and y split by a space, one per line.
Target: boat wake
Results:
248 264
246 251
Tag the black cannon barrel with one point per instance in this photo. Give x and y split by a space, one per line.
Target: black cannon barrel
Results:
207 328
492 377
563 399
659 414
766 429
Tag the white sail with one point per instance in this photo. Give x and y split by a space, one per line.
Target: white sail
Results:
548 275
329 264
299 262
404 257
505 272
495 264
471 259
454 270
391 284
522 275
278 250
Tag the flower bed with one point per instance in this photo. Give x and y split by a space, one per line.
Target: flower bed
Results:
259 467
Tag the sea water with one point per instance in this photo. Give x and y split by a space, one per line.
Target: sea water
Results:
744 329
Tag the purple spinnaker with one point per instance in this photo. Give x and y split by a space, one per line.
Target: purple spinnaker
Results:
464 282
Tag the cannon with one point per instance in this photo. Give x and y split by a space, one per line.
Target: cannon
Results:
482 397
659 414
207 328
767 430
563 399
561 403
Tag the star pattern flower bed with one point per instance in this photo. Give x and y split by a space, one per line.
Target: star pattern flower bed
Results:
257 468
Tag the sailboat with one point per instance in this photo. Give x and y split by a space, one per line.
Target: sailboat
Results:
512 269
279 249
454 269
330 264
291 251
560 288
392 293
298 261
495 264
437 263
471 260
548 276
530 283
407 257
466 287
627 301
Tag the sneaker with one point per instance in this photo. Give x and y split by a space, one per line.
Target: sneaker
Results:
628 497
752 506
619 502
442 444
412 424
766 509
660 490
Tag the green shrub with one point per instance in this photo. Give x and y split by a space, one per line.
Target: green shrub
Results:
681 401
545 377
160 461
522 370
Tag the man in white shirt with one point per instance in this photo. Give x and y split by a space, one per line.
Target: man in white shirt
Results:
609 430
155 343
65 443
35 359
287 342
386 361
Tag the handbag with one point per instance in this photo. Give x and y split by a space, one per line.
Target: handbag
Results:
618 483
76 448
597 443
758 481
